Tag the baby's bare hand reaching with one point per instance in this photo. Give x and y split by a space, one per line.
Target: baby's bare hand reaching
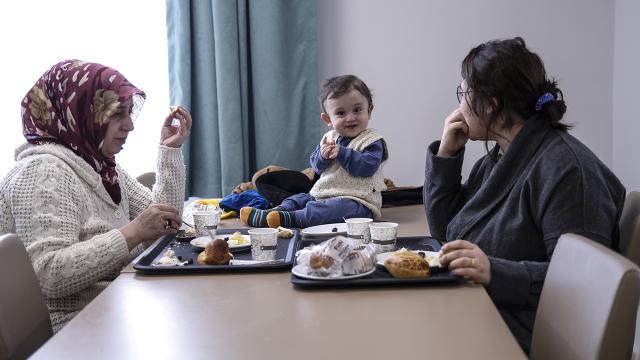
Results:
454 135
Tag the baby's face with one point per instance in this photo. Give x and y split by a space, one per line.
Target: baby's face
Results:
349 113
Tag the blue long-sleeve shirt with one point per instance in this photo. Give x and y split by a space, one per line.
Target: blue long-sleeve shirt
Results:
357 163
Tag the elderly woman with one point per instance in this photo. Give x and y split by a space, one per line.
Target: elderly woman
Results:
537 183
82 217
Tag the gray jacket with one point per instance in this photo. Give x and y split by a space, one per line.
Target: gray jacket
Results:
515 208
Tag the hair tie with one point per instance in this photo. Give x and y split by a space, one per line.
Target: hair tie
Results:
545 98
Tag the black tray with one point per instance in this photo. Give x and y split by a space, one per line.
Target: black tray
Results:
382 277
184 250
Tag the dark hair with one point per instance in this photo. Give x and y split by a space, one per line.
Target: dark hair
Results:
508 78
340 85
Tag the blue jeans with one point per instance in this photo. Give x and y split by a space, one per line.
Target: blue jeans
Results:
310 212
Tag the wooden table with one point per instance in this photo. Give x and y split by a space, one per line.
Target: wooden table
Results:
261 316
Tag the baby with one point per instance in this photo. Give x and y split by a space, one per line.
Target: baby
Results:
348 159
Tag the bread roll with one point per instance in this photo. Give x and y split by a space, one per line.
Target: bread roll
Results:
407 265
215 253
318 261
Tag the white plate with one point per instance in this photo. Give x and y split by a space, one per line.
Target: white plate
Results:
432 257
298 271
201 242
326 229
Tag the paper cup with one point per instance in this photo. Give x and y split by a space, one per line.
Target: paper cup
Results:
206 222
383 236
264 242
358 228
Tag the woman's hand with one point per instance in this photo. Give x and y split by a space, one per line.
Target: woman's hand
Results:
155 221
329 149
466 259
454 135
175 135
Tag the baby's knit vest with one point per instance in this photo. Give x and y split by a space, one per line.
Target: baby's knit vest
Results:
336 182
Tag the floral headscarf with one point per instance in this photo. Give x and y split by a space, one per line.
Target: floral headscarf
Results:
71 105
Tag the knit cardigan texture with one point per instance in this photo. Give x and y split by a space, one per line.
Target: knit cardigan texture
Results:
56 204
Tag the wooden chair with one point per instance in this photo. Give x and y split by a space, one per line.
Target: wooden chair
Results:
24 319
586 301
147 179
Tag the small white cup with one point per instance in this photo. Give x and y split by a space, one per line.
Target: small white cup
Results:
264 242
383 236
206 222
358 228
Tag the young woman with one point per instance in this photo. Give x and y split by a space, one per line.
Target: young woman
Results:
538 182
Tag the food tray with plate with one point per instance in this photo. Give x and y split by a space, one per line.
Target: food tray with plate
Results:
379 276
185 251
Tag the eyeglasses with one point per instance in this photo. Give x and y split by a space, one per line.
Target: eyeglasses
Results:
460 93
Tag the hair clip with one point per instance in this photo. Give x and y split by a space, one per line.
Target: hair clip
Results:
545 98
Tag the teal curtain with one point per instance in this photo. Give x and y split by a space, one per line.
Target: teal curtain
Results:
247 71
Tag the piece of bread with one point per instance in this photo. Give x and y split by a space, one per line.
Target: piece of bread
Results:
284 233
318 261
174 110
215 253
407 265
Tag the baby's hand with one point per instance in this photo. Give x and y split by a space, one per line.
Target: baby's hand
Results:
328 148
330 152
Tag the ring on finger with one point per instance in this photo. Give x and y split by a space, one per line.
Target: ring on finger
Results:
167 223
473 261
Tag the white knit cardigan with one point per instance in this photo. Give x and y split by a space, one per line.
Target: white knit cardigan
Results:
57 205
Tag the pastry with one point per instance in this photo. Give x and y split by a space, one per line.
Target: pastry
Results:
406 264
215 253
318 261
337 247
284 233
358 261
327 258
174 110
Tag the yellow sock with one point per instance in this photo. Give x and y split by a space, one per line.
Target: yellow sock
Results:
273 219
281 218
244 215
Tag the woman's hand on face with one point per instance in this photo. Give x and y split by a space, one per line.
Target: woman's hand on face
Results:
454 135
175 135
155 221
466 259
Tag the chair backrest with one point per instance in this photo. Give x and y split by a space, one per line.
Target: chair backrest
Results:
24 319
587 304
147 179
630 227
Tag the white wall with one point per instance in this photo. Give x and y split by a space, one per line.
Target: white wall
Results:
409 53
129 36
626 94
